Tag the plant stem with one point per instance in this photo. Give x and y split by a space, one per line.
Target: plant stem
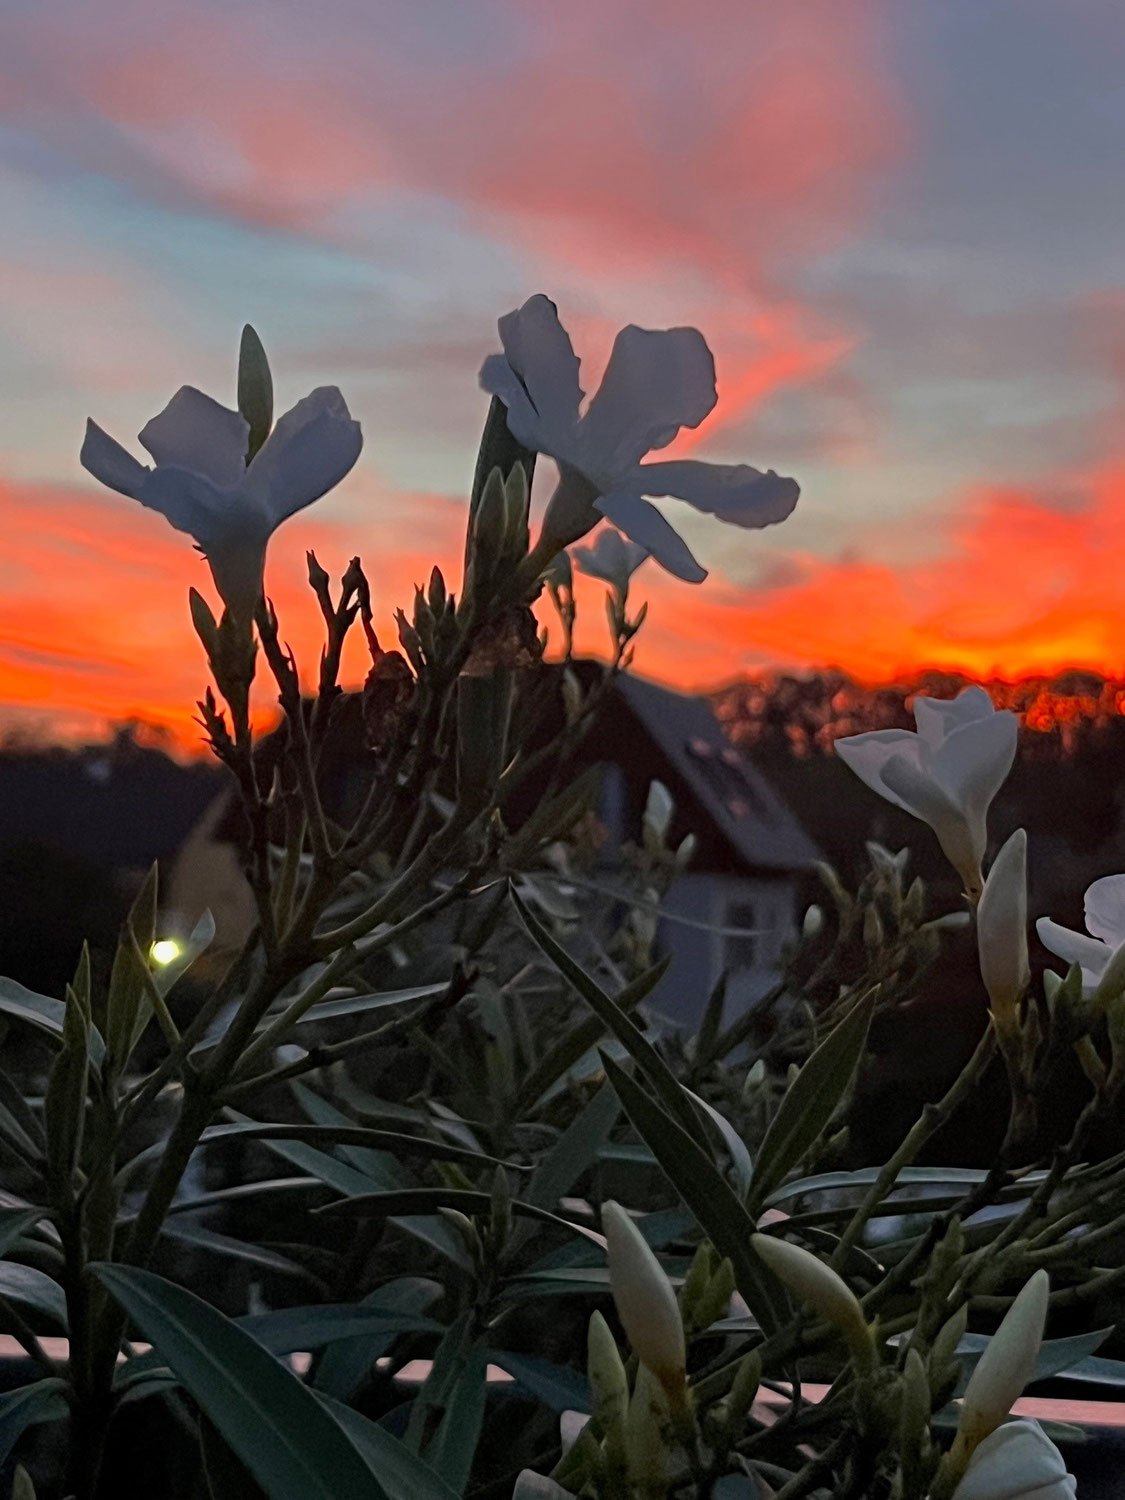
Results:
932 1118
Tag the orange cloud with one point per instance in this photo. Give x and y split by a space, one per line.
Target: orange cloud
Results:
94 624
1011 586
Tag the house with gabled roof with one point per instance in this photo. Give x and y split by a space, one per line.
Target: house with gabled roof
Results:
731 911
736 905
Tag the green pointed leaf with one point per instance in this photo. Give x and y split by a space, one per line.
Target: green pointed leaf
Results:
575 1150
1056 1357
864 1176
741 1163
455 1443
811 1100
32 1288
227 1477
380 1166
717 1208
430 1200
199 940
354 1005
556 1386
13 1223
661 1080
403 1475
291 1330
347 1362
285 1436
45 1014
17 1123
234 1249
45 1401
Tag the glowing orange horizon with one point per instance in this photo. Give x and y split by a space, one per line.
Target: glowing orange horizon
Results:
94 625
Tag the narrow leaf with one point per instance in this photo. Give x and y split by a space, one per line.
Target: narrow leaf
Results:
811 1100
45 1401
284 1435
717 1208
660 1077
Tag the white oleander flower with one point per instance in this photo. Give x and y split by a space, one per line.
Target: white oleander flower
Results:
611 558
1002 930
1105 922
203 484
1017 1462
946 774
655 383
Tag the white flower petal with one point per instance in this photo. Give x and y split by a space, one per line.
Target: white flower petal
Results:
645 525
193 504
655 383
196 432
312 447
105 458
917 792
611 558
1105 909
937 717
867 754
1074 947
499 379
973 761
1017 1462
539 351
736 493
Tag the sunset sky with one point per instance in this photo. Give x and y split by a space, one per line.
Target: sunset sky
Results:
900 226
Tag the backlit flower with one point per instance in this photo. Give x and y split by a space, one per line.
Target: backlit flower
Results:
203 484
946 774
655 383
1105 922
1017 1462
611 558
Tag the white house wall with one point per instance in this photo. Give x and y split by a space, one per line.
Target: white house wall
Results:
701 951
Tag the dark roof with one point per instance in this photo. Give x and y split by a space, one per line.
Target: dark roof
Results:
118 806
741 804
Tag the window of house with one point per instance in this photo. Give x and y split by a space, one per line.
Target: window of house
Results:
740 950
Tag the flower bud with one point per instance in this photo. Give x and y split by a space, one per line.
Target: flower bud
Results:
816 1283
1004 1368
1002 931
747 1379
22 1487
255 390
943 1361
812 922
203 618
914 1411
714 1303
646 1437
646 1303
606 1374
